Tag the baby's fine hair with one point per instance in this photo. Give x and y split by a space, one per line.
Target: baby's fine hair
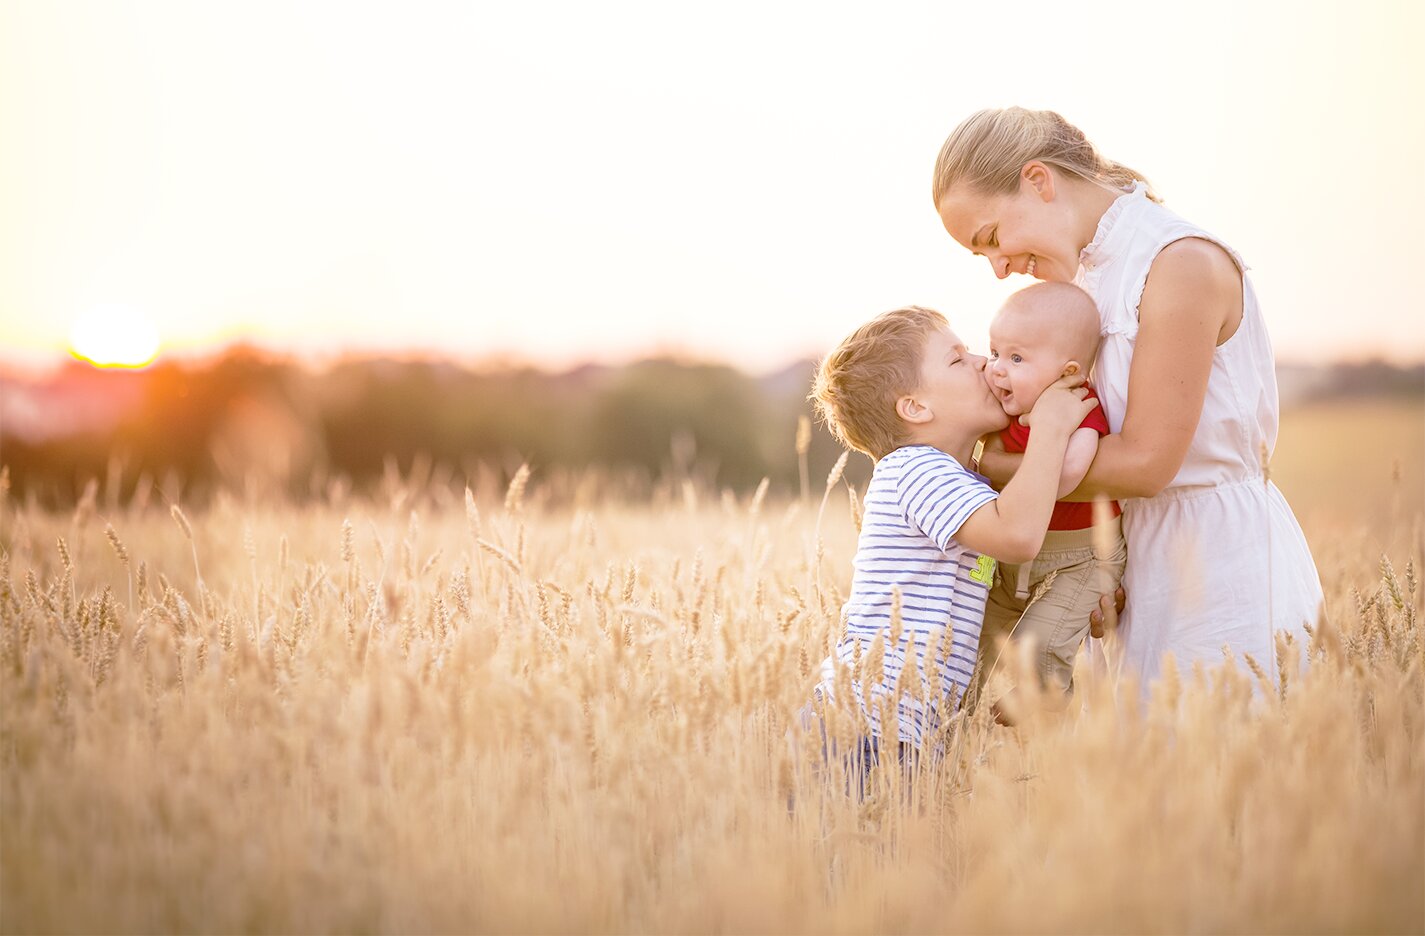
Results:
1068 315
987 151
857 385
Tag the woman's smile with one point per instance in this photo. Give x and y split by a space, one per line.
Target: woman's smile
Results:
1008 231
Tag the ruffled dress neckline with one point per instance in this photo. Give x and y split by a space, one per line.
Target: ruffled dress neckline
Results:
1103 246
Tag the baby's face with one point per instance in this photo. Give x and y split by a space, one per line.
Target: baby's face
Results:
1025 359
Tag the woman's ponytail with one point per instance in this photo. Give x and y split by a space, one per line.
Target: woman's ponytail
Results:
987 151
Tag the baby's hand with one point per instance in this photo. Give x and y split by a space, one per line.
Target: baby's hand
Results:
1061 407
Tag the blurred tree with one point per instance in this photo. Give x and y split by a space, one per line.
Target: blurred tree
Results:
664 416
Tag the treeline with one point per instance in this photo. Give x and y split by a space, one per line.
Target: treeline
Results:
1369 379
248 421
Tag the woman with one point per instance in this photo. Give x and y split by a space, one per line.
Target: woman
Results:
1185 372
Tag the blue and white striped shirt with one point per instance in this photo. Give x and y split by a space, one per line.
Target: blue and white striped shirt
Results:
917 500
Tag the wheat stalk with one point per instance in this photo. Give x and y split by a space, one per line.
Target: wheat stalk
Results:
803 447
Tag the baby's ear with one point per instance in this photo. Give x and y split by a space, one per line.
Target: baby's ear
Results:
1070 369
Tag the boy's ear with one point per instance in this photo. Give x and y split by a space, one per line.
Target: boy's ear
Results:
912 410
1070 369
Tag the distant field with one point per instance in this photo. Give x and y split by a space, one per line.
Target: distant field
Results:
392 716
1360 462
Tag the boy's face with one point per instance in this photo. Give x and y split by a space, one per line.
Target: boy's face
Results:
1024 361
954 388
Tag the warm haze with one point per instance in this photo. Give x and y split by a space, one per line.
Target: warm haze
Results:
302 631
741 183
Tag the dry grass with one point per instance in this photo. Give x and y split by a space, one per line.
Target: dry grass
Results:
509 717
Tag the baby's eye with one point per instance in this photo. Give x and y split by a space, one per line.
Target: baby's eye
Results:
994 355
1016 358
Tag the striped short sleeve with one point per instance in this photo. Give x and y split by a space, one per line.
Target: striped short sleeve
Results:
938 495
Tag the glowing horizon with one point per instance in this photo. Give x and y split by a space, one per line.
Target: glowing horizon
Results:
745 184
114 337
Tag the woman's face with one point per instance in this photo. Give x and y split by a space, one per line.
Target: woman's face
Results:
1026 231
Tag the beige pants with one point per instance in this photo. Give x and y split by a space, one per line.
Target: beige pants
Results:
1055 622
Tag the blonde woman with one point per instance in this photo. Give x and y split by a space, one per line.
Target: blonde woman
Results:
1185 373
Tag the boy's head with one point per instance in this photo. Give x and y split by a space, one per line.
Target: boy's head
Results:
1040 334
904 378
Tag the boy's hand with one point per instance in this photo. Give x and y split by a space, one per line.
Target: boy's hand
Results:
1061 407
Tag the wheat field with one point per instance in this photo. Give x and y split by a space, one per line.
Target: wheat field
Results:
533 710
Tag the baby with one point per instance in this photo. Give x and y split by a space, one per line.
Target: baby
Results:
1040 334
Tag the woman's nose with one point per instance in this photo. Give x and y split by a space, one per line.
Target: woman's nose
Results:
1000 265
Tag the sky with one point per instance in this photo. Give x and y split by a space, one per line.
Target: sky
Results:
555 183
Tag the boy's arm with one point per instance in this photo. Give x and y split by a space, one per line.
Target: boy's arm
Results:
1011 528
1083 446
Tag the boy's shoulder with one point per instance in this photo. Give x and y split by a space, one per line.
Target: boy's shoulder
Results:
914 462
930 492
914 456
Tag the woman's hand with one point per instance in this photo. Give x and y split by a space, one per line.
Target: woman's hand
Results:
1104 618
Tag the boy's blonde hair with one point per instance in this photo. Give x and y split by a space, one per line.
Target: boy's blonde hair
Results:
857 385
987 151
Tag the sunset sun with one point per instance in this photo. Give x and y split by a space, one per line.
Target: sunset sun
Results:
114 336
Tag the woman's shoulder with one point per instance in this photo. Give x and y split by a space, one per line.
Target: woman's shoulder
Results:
1173 238
1196 284
1184 264
1196 259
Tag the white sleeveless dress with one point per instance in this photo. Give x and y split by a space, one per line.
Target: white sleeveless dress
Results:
1217 559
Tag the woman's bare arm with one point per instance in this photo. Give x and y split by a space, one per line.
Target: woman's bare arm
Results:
997 464
1191 303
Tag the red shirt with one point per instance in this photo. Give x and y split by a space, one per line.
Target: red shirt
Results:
1068 515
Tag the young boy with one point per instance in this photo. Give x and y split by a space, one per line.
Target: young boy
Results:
1040 335
904 390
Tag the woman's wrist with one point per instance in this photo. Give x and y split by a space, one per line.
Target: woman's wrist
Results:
998 466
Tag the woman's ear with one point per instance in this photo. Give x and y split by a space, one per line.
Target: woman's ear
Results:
912 410
1039 179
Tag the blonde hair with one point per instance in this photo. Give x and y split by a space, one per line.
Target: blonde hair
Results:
857 385
987 151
